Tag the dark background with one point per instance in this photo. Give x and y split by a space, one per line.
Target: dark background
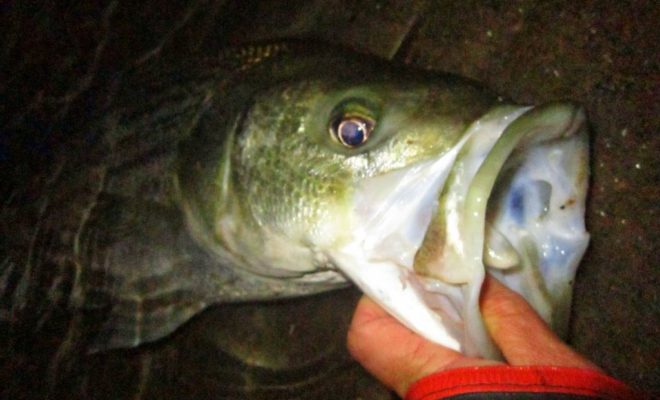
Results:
56 58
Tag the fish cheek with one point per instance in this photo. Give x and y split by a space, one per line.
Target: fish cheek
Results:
296 190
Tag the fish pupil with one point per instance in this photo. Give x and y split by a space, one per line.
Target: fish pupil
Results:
352 132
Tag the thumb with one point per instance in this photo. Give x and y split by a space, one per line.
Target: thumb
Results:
520 333
393 353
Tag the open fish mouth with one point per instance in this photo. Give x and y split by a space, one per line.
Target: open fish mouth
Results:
508 198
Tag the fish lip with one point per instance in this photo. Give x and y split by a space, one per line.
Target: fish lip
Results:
466 205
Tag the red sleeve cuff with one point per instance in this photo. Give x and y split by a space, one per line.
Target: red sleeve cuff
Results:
527 379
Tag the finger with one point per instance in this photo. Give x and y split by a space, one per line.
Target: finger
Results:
520 333
394 354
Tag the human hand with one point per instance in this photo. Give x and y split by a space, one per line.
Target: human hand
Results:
399 357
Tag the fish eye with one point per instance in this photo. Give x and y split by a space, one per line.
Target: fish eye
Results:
352 130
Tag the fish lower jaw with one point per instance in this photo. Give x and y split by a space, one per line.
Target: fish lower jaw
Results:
399 291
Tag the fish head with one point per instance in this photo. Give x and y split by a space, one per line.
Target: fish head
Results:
297 153
410 184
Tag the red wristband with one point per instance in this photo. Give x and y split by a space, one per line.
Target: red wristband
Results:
526 379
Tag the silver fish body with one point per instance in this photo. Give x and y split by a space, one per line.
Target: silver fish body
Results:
281 170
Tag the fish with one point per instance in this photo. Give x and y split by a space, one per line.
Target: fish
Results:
283 169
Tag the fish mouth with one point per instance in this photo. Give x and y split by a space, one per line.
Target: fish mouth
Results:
508 197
